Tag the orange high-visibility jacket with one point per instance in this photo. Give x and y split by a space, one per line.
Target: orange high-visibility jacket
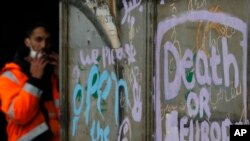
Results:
20 102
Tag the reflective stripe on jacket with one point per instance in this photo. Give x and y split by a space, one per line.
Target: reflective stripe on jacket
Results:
56 95
20 101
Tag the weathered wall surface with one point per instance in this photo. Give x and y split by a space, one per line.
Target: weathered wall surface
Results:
107 70
179 64
201 68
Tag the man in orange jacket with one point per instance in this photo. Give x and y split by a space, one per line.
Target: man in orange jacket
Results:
29 90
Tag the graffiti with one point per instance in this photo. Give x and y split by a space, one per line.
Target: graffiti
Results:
133 76
97 133
131 52
199 104
131 34
129 72
221 30
166 109
202 131
141 9
92 88
173 10
78 92
100 84
94 84
137 108
202 78
162 2
88 60
196 4
204 75
108 55
234 93
128 52
128 7
171 124
96 88
125 131
241 120
76 75
223 95
131 19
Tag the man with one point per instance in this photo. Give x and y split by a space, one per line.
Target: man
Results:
29 90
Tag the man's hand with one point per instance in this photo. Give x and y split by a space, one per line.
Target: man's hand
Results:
54 60
37 66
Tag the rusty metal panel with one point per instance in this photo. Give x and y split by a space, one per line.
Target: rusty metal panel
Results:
200 68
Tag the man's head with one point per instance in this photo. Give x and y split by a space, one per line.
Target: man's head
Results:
38 40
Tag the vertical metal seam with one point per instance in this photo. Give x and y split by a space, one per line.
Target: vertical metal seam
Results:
63 53
150 27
